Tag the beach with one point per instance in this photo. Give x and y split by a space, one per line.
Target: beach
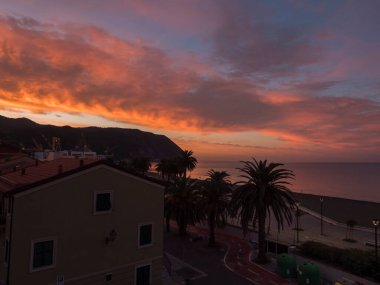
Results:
341 209
338 209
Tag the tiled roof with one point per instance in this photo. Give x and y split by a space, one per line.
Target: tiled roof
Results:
16 161
42 171
7 148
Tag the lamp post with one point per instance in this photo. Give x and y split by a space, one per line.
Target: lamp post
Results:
321 200
375 223
297 220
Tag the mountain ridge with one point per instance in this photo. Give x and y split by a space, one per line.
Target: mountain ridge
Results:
123 143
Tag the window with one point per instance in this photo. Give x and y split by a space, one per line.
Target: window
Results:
42 254
103 202
145 235
143 275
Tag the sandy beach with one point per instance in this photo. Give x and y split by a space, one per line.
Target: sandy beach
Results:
342 210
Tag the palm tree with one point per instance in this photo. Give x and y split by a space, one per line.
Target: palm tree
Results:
182 200
187 162
266 189
216 194
162 167
141 164
173 168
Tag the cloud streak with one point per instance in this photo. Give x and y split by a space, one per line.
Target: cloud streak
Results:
76 68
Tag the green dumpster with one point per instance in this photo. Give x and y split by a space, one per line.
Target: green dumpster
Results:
286 266
308 274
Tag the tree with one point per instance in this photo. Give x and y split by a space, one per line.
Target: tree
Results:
265 188
182 201
162 167
216 195
173 168
187 162
141 164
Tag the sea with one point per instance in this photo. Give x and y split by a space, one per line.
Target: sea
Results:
358 181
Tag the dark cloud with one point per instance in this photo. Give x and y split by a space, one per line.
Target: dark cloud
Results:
257 44
82 69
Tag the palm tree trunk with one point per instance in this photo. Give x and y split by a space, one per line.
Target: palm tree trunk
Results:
261 257
211 223
182 226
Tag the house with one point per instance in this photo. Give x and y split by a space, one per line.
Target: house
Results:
80 221
12 158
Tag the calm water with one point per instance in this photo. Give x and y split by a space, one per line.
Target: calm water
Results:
360 181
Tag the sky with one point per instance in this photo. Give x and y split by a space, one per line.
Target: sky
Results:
288 81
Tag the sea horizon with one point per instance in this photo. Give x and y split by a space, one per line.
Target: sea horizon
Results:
349 180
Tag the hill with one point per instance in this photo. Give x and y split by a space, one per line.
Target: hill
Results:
123 143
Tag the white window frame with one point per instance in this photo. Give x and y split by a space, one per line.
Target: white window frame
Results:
143 265
33 242
138 235
112 202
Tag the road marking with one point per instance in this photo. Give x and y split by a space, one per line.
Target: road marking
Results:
255 273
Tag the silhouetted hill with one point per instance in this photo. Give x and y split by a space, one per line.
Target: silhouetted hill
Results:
123 143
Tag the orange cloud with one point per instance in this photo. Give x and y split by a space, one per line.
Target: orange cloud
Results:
84 69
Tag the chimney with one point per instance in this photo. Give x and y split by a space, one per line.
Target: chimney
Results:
23 171
81 162
60 169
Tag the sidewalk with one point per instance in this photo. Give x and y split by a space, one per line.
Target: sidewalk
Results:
201 258
255 273
196 258
180 271
310 225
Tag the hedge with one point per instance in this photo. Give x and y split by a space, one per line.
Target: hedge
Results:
356 261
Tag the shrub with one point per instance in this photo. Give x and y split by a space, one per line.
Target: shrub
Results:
355 261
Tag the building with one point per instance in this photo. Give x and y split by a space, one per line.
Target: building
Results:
74 221
12 158
48 155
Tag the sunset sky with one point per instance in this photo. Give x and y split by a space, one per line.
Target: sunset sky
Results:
284 80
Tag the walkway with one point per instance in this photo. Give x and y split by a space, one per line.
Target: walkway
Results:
237 259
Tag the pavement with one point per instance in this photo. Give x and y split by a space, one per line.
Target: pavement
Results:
199 257
309 225
234 252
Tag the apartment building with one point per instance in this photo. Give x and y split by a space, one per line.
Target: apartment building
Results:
72 221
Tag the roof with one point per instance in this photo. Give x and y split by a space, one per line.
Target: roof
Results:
16 182
15 161
39 171
6 148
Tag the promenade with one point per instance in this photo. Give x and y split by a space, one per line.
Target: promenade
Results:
237 251
341 210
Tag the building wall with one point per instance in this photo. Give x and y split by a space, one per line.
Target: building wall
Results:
4 235
65 210
2 253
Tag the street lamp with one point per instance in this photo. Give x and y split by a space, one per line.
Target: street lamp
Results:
375 223
321 200
297 220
